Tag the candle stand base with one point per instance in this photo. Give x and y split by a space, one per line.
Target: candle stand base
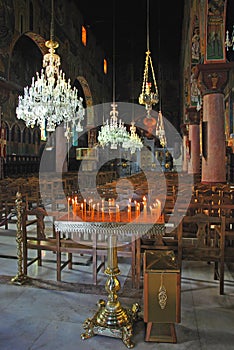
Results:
20 279
112 319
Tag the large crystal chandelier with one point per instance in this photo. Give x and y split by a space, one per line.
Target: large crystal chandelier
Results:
149 93
50 100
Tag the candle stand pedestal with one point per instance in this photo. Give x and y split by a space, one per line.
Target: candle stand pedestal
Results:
112 319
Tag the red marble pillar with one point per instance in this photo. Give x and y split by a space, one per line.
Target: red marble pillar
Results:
194 138
212 78
213 164
193 117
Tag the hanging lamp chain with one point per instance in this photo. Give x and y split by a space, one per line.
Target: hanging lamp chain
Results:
148 97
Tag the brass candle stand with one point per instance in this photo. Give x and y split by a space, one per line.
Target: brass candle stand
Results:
112 319
20 278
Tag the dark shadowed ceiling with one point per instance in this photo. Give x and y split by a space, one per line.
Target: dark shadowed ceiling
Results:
130 18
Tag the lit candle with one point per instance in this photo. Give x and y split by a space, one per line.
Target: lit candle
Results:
92 215
110 215
73 207
138 209
98 208
129 212
90 205
117 213
68 207
84 209
144 208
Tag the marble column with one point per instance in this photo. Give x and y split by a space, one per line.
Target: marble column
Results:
194 140
184 130
194 137
212 78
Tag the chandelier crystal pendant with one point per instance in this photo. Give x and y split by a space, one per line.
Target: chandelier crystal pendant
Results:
229 42
50 100
149 94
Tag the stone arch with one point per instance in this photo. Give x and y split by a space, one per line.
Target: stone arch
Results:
26 136
26 57
5 126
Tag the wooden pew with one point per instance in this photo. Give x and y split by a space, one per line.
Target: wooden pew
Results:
200 240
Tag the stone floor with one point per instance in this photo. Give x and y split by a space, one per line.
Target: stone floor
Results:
47 315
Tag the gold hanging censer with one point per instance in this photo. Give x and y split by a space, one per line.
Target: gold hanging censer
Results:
148 97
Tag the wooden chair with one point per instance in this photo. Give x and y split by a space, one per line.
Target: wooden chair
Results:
200 240
226 232
35 238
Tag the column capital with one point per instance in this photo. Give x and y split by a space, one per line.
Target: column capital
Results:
193 115
213 77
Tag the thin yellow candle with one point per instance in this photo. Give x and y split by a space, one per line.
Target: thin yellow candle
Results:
84 209
68 207
92 214
98 209
117 213
129 212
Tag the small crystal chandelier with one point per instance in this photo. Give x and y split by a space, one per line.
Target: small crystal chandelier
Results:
134 142
114 132
229 42
50 100
148 97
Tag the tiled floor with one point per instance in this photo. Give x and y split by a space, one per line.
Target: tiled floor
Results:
43 317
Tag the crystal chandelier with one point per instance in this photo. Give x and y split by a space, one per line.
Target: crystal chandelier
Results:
148 97
114 132
134 142
229 42
50 100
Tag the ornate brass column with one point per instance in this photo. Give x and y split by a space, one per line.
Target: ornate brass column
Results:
112 319
20 278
